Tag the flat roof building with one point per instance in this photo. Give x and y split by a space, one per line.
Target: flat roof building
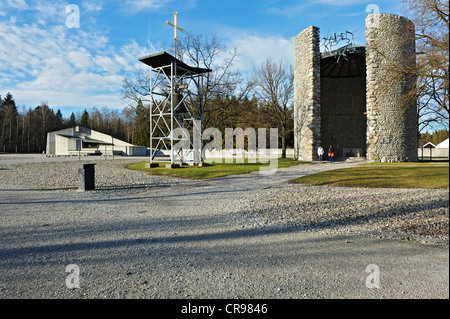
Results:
84 141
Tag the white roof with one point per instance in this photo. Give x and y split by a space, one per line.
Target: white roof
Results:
443 144
429 145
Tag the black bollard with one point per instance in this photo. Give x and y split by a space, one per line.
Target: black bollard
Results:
86 177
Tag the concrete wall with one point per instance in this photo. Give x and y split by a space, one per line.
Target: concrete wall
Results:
435 152
136 150
61 145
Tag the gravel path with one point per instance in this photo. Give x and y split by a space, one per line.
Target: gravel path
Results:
252 236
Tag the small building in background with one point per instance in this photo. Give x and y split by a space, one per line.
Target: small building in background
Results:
429 145
434 152
443 144
83 141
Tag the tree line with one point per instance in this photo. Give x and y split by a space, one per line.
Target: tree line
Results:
435 137
24 130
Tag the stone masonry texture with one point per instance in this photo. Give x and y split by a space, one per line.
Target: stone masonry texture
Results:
391 112
390 132
307 94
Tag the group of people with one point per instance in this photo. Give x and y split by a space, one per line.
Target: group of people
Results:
321 151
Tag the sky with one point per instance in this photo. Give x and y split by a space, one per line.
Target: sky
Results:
74 55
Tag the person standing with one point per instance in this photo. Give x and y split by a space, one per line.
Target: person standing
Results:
320 151
331 154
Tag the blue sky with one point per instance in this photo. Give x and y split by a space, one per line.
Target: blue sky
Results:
43 60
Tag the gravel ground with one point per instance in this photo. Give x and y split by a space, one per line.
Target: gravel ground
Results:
418 214
142 236
406 214
109 174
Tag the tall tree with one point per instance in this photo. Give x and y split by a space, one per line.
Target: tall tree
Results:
439 136
142 125
85 120
273 84
44 122
59 120
72 121
203 51
206 51
431 19
2 119
9 126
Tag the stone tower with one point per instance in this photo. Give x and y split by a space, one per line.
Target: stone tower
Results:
360 104
307 94
391 110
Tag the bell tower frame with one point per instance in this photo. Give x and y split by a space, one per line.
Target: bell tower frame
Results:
176 110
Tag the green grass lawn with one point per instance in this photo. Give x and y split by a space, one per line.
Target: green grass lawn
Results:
383 175
214 170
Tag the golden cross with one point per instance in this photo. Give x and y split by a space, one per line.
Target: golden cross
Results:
174 25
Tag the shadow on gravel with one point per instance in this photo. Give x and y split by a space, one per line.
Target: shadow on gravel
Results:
208 248
133 187
155 233
98 189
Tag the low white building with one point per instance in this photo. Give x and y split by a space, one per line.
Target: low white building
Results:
443 144
431 151
84 141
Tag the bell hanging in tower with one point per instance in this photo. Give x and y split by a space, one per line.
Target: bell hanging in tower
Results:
178 103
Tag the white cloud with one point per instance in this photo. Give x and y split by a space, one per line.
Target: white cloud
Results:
92 6
254 49
66 67
81 59
311 7
14 4
342 3
288 11
142 5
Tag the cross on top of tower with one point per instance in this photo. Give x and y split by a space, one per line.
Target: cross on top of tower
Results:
175 26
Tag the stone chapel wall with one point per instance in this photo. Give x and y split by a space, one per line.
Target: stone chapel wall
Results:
391 124
391 113
307 94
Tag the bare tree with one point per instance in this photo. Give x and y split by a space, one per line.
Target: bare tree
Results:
202 51
273 84
137 88
431 19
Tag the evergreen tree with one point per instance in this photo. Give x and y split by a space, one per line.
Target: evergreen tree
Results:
72 122
439 136
142 125
9 125
59 120
2 117
85 121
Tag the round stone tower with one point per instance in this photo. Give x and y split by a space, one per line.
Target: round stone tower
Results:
391 104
